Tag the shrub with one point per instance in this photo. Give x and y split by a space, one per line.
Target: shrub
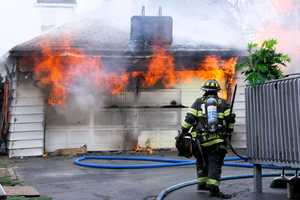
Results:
263 62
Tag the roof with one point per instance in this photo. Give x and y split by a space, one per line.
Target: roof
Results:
88 34
94 36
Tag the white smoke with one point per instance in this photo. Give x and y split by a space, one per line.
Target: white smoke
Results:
194 22
227 23
278 19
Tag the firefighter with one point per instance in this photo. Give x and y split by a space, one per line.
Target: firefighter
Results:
205 134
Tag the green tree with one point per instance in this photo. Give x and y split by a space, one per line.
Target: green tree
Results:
263 62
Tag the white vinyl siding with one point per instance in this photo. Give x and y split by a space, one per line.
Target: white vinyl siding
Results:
239 135
26 131
106 128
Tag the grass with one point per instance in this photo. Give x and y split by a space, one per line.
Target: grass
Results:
7 181
29 198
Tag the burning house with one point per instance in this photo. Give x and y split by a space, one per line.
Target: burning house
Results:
92 84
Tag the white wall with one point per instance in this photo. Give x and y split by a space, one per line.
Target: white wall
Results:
26 129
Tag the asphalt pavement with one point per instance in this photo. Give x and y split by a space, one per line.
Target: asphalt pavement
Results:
59 178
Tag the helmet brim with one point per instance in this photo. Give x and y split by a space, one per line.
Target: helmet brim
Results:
210 90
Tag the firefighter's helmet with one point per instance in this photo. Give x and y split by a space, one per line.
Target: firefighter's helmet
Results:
211 86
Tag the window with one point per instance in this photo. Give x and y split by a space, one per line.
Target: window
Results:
56 3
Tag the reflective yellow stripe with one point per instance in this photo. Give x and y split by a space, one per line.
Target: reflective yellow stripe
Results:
197 113
213 137
202 179
214 182
231 126
221 115
227 112
194 134
216 141
200 113
186 125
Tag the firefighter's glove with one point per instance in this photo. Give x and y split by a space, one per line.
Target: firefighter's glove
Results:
184 145
231 118
230 123
184 131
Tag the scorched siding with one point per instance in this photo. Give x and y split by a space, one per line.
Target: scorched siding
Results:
106 128
112 128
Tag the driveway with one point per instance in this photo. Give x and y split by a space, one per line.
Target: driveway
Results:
59 178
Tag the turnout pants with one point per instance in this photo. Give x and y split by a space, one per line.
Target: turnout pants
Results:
209 164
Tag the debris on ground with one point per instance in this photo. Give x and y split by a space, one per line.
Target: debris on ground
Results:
26 191
11 186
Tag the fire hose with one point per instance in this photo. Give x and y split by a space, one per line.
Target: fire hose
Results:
167 162
163 162
178 186
237 154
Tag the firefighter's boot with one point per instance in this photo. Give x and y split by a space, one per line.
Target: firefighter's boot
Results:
215 192
202 187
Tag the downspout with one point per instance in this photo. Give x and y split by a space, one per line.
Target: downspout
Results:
44 132
10 69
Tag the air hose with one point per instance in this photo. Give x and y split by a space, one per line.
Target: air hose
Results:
237 154
178 186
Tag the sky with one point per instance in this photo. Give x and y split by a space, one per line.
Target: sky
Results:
21 20
205 21
17 25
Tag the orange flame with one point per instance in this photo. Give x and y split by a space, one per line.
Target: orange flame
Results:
162 68
137 148
213 67
61 71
